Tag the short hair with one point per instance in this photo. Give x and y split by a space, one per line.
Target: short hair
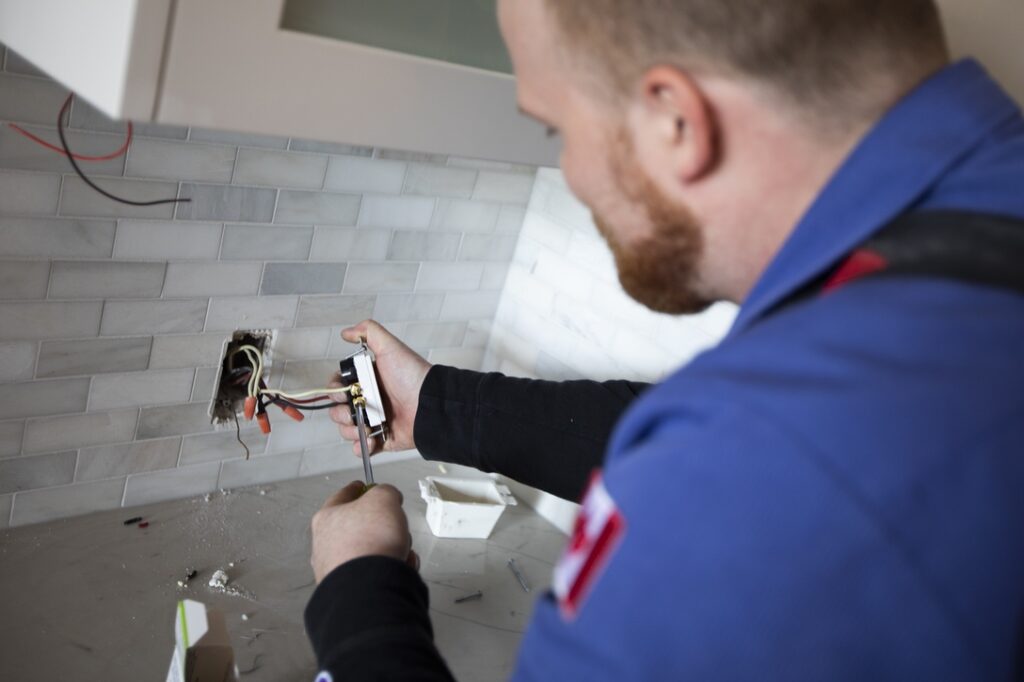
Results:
819 54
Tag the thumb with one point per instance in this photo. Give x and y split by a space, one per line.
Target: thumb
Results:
349 493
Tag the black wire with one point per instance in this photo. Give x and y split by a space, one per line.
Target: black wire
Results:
238 435
74 164
304 408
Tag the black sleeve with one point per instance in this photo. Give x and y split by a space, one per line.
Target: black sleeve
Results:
368 620
546 434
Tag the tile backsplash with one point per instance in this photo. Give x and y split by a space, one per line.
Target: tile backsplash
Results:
113 317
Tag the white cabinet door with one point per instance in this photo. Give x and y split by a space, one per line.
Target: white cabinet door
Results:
231 65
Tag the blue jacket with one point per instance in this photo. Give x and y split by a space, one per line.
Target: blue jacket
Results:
836 492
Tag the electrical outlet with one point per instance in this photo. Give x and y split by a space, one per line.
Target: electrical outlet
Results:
235 367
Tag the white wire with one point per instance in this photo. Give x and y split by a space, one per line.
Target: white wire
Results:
255 356
306 394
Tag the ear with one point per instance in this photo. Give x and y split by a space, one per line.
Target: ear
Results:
674 123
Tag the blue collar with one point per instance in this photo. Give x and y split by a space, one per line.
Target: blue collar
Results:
907 153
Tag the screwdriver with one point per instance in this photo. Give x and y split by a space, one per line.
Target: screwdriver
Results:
358 404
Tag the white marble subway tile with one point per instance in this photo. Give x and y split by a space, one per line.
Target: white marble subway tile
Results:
21 280
423 336
264 312
55 238
316 147
465 216
204 388
302 344
18 152
174 420
17 360
478 333
137 389
30 100
214 447
263 242
495 276
15 63
167 240
279 169
329 458
488 247
242 473
468 306
306 374
439 181
43 398
174 160
450 276
509 188
41 471
158 486
364 176
302 278
409 213
113 461
28 194
6 504
189 350
236 139
82 279
36 506
83 115
79 431
123 318
316 208
226 203
415 157
93 356
11 433
81 201
425 246
368 278
463 358
35 321
339 244
510 219
212 279
546 232
408 307
290 435
330 311
485 165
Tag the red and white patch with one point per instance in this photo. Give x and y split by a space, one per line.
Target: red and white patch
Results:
599 529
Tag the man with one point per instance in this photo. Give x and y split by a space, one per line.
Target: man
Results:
834 493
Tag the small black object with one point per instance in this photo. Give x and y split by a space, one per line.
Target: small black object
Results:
470 597
132 521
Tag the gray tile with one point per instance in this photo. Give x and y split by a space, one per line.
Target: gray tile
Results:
408 307
333 311
417 157
238 139
302 344
56 503
365 278
423 336
167 240
174 160
24 280
15 63
265 312
241 473
214 447
303 278
195 350
81 201
409 213
336 244
75 279
262 242
28 193
17 360
495 276
17 151
41 471
482 164
425 246
11 433
299 145
6 503
205 385
175 420
302 374
466 216
316 208
84 115
232 204
126 318
508 188
463 358
139 389
487 247
356 175
289 436
510 220
93 356
113 461
439 181
212 279
56 238
470 306
30 100
172 484
450 277
49 320
43 398
279 169
327 459
79 431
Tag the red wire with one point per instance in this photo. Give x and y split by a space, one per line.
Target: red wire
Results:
81 157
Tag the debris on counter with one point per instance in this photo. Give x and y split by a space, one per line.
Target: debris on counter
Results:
245 616
144 524
519 575
189 574
219 580
132 521
476 596
219 583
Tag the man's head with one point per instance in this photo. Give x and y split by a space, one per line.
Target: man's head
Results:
698 131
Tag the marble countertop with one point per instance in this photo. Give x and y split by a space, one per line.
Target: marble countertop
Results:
90 598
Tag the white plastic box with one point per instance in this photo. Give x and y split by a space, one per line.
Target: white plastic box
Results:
464 508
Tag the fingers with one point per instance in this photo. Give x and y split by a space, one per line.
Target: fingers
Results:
341 415
349 493
393 494
335 382
357 333
372 443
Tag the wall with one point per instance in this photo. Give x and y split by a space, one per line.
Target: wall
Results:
112 318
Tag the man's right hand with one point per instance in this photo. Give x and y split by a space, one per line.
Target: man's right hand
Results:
400 372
